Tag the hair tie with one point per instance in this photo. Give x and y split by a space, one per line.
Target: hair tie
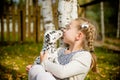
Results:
85 25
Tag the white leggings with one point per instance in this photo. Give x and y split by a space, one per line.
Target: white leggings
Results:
37 72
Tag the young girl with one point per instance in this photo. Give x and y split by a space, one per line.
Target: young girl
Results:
74 62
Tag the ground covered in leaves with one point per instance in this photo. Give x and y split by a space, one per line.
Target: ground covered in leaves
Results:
15 57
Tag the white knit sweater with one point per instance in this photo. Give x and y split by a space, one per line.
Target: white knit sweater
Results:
76 69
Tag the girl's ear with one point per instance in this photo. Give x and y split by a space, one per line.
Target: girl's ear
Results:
79 36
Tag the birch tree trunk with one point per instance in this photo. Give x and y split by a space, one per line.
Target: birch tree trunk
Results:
74 13
47 15
67 11
118 29
102 21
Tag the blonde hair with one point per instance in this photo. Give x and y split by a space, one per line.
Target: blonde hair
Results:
89 30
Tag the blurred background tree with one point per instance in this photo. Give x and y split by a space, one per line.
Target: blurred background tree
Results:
92 12
110 15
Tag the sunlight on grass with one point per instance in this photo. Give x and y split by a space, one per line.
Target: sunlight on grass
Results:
14 58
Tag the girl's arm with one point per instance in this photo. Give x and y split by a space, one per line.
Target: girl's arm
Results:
79 64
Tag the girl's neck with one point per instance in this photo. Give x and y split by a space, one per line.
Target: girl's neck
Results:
73 48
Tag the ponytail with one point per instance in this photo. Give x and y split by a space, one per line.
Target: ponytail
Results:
88 43
94 62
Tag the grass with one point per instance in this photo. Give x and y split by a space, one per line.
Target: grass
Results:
15 57
108 65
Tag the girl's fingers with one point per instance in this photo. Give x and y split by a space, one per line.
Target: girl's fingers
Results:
28 67
43 56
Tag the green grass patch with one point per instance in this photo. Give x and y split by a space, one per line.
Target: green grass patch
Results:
14 59
108 64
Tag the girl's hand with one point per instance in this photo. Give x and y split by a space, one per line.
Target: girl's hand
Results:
43 56
28 67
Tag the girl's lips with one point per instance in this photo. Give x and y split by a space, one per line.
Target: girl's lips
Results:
62 37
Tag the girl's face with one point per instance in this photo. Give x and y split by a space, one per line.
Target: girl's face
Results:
70 32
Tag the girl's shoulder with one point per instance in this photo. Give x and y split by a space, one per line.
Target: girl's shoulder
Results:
82 54
83 57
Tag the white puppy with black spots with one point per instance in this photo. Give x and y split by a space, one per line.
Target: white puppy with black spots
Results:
49 45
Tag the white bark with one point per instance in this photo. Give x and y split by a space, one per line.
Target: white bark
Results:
67 11
74 13
47 15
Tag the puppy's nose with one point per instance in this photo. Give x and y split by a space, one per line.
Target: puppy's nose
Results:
62 29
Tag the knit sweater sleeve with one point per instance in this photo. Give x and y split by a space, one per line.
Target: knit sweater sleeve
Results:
79 64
